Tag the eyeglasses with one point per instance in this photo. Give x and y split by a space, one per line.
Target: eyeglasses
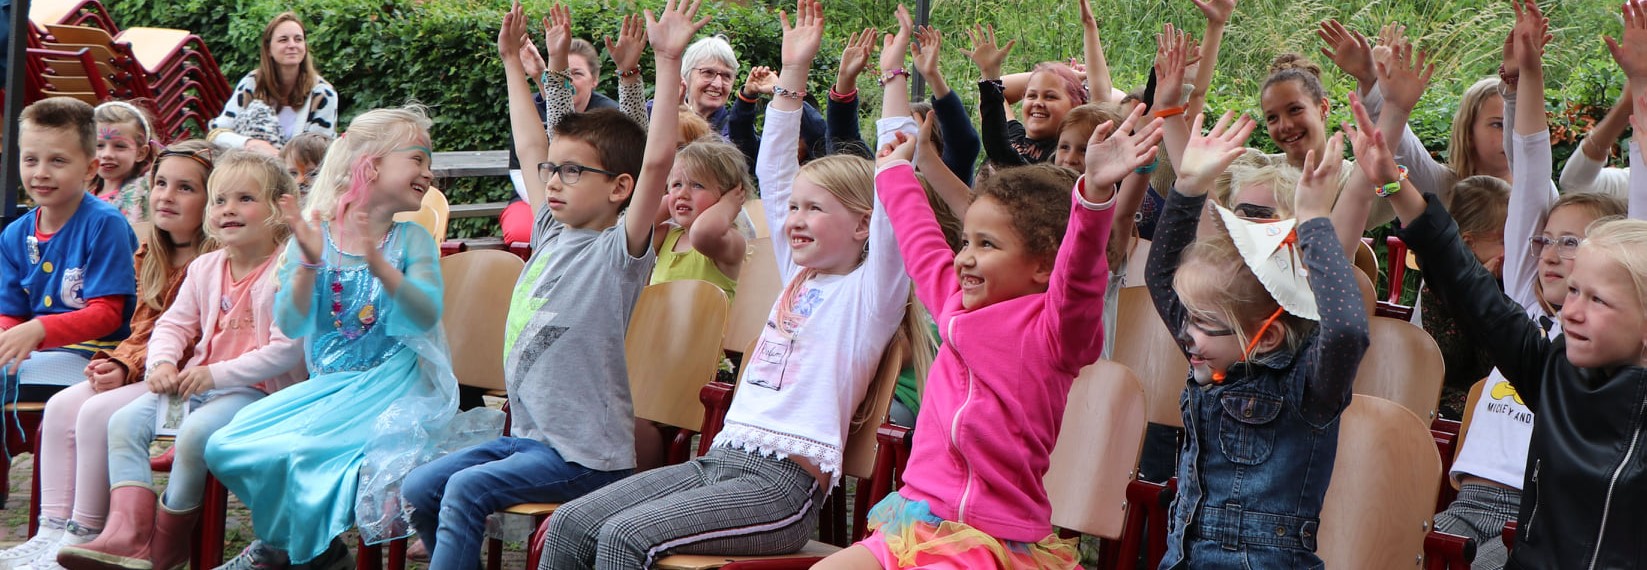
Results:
1566 246
569 173
1255 212
710 74
1192 323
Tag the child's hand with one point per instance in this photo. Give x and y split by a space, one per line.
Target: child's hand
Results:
1207 156
895 46
1404 77
924 149
1112 156
361 225
734 199
512 34
531 60
903 148
1088 21
1630 51
631 44
802 40
760 82
195 380
1318 187
671 30
17 343
1349 50
1172 57
162 379
985 53
1529 22
305 232
1372 153
927 47
854 59
105 374
1216 11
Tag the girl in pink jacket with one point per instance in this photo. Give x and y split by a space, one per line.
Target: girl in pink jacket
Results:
224 317
1020 310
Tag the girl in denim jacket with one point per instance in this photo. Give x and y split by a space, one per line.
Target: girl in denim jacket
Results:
1270 317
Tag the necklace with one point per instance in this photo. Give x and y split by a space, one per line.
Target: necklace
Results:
365 317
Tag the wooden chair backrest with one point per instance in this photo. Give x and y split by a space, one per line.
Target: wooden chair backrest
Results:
432 215
1137 261
80 35
1369 294
1403 365
73 68
859 456
100 53
1381 500
69 83
673 348
758 287
1367 261
479 284
1098 445
757 218
86 97
1143 344
1470 401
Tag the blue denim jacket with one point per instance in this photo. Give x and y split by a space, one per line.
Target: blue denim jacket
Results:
1259 448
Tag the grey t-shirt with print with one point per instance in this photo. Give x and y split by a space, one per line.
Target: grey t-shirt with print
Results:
568 383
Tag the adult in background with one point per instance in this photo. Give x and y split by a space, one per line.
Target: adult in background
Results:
284 97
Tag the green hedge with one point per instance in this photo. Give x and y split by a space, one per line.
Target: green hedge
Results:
443 52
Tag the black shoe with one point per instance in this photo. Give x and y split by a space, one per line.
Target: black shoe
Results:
336 557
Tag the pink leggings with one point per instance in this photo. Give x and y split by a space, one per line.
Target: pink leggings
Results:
74 451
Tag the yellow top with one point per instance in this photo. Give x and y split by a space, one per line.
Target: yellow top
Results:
689 264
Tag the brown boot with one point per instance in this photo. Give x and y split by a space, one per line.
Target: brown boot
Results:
173 537
124 543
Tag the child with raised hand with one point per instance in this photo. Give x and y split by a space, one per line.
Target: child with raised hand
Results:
758 489
1053 90
961 144
125 151
1582 484
1022 299
569 75
597 203
221 327
1273 353
73 473
364 292
67 284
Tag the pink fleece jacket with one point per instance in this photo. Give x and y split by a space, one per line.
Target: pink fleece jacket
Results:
995 396
192 320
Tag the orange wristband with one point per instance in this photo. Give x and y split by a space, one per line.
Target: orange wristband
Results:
1169 112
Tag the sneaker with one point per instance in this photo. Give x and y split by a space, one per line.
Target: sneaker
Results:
46 558
336 557
257 556
21 554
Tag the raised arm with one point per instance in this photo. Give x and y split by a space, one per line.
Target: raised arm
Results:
961 144
1218 15
1098 77
531 142
626 55
1403 76
1585 166
992 110
1172 57
1531 194
841 113
1343 330
669 33
778 164
895 79
1350 51
1630 52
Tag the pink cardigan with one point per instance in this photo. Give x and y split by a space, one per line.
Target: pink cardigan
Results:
275 364
995 396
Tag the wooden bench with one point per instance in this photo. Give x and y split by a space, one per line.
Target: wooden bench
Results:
470 163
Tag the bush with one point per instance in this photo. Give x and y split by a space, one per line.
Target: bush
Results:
442 52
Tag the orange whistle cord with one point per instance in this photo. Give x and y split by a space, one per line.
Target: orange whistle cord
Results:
1219 375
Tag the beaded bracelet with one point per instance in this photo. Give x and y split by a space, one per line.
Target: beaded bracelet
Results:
893 74
1390 189
629 73
781 91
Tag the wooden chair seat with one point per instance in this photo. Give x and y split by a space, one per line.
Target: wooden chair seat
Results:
533 509
813 549
154 48
26 407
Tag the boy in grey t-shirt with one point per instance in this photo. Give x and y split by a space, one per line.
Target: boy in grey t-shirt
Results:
596 201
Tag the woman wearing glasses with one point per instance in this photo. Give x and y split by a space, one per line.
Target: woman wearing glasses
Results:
283 98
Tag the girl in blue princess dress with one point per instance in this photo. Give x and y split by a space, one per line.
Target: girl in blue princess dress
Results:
364 294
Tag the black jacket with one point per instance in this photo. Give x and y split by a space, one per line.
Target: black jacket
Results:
1584 501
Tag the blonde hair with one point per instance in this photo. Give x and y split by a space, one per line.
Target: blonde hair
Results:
851 180
1625 242
1480 204
1086 118
693 127
1213 282
342 180
717 161
1461 146
159 260
259 169
1281 178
